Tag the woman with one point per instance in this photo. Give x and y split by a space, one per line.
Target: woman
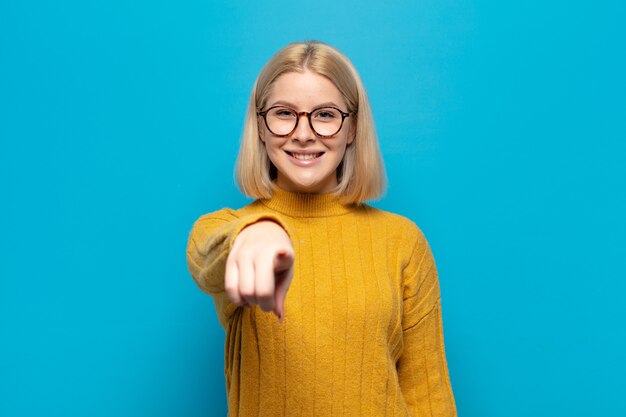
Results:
356 326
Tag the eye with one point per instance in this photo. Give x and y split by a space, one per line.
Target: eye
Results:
326 114
283 113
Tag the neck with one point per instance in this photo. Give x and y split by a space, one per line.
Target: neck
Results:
298 204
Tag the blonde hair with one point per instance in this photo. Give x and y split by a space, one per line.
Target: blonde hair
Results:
361 174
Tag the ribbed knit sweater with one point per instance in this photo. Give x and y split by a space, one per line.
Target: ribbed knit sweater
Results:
362 332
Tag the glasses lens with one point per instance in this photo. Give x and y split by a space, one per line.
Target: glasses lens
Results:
281 120
326 121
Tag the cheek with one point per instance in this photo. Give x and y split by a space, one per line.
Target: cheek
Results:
340 147
268 142
338 154
272 146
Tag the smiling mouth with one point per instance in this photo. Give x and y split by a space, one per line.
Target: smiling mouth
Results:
304 156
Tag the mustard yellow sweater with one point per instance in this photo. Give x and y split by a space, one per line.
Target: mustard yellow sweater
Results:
362 333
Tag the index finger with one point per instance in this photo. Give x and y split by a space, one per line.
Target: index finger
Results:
264 282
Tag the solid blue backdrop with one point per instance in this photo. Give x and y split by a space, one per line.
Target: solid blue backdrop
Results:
502 125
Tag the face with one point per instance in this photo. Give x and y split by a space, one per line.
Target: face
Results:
306 162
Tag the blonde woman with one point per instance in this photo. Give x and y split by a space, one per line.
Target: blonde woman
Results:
331 307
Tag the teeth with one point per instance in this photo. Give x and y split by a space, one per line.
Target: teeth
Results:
305 157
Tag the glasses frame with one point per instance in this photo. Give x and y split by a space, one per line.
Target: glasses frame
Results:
308 116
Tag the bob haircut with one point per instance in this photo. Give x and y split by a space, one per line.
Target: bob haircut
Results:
361 174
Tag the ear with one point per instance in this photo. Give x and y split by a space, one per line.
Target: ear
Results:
351 133
261 129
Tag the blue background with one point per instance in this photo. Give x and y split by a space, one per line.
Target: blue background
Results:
502 125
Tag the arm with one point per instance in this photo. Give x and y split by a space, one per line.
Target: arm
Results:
422 367
210 243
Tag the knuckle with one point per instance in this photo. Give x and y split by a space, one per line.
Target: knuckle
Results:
250 300
266 307
264 294
246 292
230 287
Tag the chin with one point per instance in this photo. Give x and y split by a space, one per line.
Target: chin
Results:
307 185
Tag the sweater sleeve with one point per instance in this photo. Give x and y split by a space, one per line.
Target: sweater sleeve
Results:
210 241
422 367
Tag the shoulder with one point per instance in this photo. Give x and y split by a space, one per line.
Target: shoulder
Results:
403 235
228 222
394 221
210 221
224 215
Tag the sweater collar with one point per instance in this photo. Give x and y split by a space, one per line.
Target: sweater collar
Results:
306 204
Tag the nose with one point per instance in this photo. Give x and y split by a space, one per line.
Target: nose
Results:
303 132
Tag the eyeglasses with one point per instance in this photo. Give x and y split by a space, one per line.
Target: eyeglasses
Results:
282 121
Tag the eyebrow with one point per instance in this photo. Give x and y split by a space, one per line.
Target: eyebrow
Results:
293 106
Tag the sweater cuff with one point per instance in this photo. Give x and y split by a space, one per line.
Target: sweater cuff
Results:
255 218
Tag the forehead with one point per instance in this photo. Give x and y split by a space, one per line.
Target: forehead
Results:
304 90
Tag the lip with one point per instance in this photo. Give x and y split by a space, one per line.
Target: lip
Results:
304 151
305 163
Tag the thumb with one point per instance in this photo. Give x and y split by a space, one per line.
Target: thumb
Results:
283 272
279 308
282 261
